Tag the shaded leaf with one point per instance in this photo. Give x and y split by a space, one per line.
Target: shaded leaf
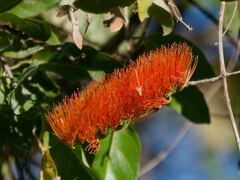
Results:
191 103
8 4
5 40
32 8
160 10
68 165
100 6
118 156
30 27
21 100
89 60
203 70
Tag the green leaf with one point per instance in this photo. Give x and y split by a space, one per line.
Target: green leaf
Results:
90 60
191 103
30 27
119 156
203 70
143 6
5 40
69 72
21 99
235 25
68 165
100 6
8 4
29 71
32 8
160 10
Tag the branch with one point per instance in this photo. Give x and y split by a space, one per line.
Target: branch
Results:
231 19
213 19
163 154
193 83
28 40
223 73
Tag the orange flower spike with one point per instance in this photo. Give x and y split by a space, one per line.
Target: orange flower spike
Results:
133 91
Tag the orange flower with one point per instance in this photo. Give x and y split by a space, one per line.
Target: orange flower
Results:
128 93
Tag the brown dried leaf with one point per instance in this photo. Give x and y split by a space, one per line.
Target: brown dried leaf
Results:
77 37
63 11
115 23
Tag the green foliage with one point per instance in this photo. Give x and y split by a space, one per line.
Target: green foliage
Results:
119 156
45 67
159 10
63 157
6 4
27 9
190 103
100 6
29 27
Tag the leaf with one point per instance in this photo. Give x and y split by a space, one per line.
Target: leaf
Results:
69 72
5 40
77 37
29 71
203 70
68 165
100 6
235 25
89 60
92 59
29 27
116 22
160 10
191 103
32 8
119 156
8 4
21 99
143 6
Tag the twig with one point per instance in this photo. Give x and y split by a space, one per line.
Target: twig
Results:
28 40
177 15
163 154
223 73
213 19
193 83
127 33
231 19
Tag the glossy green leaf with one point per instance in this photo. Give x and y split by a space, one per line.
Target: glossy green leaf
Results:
29 27
158 9
68 165
191 103
203 70
119 156
8 4
100 6
32 8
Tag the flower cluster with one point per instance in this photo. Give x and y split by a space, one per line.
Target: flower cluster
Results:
127 93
